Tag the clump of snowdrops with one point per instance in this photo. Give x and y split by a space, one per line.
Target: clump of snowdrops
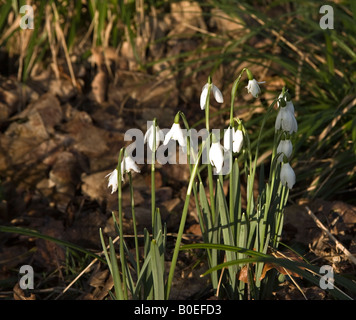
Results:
240 243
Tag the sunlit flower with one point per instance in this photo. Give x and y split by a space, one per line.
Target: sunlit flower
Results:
149 137
237 139
287 175
113 182
175 133
286 148
127 165
204 94
254 88
216 156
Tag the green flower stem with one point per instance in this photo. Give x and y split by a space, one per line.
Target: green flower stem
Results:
252 174
153 180
195 192
122 252
211 192
279 218
185 122
207 103
231 192
233 95
182 224
270 194
134 224
210 168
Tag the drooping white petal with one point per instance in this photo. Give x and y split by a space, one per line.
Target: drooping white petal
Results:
286 121
147 134
129 165
290 106
149 137
287 175
277 124
216 156
175 133
113 183
295 125
217 94
238 141
180 138
168 137
286 148
228 138
203 96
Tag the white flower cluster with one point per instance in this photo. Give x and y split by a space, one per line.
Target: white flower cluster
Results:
233 136
286 122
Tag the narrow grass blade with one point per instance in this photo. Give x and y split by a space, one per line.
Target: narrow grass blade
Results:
157 272
115 272
108 261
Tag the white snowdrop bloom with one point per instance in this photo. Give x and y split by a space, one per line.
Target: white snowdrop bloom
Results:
149 137
204 94
286 148
254 88
128 164
287 175
113 182
237 139
175 133
216 156
286 120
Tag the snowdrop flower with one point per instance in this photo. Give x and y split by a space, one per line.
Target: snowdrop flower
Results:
286 148
149 137
216 155
254 88
113 183
175 133
204 94
287 175
286 120
237 139
127 164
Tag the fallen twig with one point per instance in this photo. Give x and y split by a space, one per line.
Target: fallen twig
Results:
337 242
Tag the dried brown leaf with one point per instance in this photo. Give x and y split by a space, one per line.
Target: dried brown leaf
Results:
99 86
19 294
